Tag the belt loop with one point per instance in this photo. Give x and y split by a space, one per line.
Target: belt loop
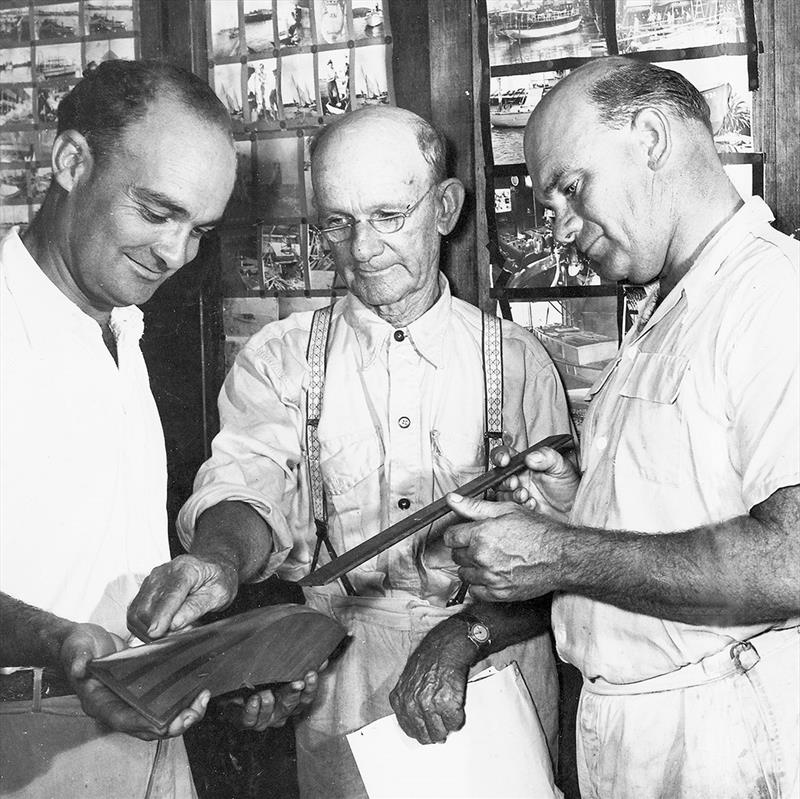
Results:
37 689
744 655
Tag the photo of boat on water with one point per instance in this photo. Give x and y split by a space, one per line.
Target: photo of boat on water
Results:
59 21
15 65
543 30
108 50
223 29
55 61
109 18
511 100
227 82
372 70
334 82
15 26
298 97
672 24
369 20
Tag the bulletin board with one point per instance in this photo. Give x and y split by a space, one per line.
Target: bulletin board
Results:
284 69
45 48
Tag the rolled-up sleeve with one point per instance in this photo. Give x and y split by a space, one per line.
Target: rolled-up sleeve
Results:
257 457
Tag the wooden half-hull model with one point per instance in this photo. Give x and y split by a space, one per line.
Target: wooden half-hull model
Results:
276 644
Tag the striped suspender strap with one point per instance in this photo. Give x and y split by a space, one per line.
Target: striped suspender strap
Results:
492 345
316 354
493 383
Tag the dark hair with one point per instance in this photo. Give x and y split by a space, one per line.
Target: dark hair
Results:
431 143
117 93
632 85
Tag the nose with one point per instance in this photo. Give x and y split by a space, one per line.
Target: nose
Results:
566 226
365 242
176 247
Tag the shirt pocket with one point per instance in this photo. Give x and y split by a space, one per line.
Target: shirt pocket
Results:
348 460
655 435
457 459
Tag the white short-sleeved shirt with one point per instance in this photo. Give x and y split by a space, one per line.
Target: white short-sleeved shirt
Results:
402 424
694 422
83 470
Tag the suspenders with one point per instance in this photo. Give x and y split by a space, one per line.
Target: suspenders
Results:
317 356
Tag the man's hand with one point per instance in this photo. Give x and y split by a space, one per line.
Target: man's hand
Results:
549 485
178 593
270 708
507 553
428 699
89 641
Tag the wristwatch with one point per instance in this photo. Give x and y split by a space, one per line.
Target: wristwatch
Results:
477 631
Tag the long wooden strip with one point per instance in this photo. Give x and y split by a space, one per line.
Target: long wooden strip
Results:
423 517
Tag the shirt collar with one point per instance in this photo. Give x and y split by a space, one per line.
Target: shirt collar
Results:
38 298
726 241
426 334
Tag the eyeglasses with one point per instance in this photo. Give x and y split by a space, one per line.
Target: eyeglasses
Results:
382 222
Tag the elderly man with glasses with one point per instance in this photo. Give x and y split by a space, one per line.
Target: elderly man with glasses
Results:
355 417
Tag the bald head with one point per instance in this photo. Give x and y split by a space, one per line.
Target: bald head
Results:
388 125
617 88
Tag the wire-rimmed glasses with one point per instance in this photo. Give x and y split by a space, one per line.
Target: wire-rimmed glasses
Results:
381 221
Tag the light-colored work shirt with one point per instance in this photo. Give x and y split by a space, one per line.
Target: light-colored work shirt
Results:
402 424
83 466
694 422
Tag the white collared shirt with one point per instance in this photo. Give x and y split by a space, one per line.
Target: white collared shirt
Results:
694 422
401 420
83 469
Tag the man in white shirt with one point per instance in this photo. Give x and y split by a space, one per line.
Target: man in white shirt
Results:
676 548
143 165
403 421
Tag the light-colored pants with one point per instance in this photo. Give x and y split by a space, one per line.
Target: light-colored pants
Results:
58 752
355 689
725 728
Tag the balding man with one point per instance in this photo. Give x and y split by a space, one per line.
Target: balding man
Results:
402 419
675 549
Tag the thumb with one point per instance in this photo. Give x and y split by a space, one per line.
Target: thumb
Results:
475 509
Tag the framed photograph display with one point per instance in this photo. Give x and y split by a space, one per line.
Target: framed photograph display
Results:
285 68
532 44
45 48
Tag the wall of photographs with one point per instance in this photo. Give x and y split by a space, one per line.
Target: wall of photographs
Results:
45 48
532 44
285 68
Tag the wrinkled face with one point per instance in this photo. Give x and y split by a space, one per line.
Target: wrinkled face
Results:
137 217
362 174
597 183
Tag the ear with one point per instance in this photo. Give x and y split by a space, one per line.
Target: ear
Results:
72 160
450 198
654 135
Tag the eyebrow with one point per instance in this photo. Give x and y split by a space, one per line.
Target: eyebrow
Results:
558 175
141 194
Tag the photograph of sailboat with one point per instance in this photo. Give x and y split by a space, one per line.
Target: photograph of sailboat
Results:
539 30
671 24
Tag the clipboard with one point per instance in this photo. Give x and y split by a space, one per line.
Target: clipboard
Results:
276 644
416 521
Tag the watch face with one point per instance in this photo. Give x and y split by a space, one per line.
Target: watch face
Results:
479 633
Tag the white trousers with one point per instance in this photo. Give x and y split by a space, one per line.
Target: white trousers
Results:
355 689
725 728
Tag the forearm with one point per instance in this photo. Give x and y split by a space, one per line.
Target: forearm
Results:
510 622
744 570
235 536
30 636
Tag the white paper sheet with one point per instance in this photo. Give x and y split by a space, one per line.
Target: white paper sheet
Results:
500 753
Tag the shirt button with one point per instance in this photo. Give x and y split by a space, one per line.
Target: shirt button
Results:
399 335
404 422
404 504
